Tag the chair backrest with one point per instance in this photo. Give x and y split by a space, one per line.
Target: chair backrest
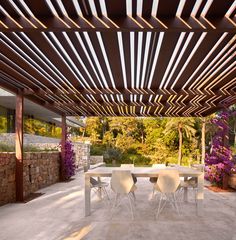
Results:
93 182
200 167
157 165
168 180
127 165
121 181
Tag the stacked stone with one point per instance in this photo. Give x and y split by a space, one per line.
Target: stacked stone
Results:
7 178
82 154
41 169
96 159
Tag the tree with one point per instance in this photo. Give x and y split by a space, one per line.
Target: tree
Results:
184 126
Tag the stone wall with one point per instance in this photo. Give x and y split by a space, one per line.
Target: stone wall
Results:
41 169
82 154
7 178
31 140
96 159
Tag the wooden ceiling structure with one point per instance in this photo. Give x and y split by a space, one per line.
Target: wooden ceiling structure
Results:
120 58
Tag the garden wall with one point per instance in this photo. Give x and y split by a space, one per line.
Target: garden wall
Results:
41 169
40 142
82 154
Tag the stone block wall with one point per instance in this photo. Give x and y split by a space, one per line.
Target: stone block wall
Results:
31 140
7 178
96 159
82 154
41 169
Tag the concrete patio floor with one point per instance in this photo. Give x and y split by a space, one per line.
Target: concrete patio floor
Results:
59 214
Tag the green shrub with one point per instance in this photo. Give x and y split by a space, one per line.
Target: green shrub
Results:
6 148
97 149
27 148
112 154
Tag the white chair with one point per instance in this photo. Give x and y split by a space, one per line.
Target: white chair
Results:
167 184
192 182
127 166
154 179
123 186
99 187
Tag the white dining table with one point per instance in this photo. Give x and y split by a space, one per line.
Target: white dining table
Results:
146 172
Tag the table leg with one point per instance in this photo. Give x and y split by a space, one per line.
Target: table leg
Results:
87 197
99 189
200 194
185 191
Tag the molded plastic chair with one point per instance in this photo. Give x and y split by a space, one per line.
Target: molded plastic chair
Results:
123 185
192 182
129 166
158 166
99 187
154 179
167 184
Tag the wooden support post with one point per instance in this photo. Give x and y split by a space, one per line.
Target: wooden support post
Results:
19 147
63 142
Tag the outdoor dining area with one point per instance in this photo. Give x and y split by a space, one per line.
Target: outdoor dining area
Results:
166 181
107 60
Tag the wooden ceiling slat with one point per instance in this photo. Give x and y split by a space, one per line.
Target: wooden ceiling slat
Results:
85 8
116 8
9 9
188 7
199 56
166 51
70 9
39 8
111 44
147 8
63 92
167 8
219 8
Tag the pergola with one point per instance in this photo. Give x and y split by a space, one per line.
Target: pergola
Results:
118 58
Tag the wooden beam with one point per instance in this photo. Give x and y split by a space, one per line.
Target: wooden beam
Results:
19 148
125 24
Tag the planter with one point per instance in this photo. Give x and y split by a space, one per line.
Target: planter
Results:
225 183
232 181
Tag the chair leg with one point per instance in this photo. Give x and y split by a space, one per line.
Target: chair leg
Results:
159 206
131 207
106 193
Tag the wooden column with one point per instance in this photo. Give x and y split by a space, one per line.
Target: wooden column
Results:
63 141
19 147
203 140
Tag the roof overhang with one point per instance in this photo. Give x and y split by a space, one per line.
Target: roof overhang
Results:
125 58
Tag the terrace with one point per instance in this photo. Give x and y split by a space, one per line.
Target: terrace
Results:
166 58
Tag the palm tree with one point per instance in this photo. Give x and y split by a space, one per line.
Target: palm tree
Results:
184 126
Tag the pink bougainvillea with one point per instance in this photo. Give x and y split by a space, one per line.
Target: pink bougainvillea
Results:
69 161
219 161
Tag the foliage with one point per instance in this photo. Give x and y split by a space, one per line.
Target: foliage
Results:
152 140
27 148
219 161
6 148
112 154
97 149
69 161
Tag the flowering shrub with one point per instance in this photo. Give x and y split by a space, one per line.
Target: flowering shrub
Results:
69 161
219 162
